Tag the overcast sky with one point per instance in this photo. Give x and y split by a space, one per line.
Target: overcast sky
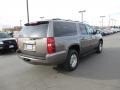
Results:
12 11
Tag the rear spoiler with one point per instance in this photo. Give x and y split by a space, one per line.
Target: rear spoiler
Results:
36 23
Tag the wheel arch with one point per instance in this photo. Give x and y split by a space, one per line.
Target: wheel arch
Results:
75 47
101 40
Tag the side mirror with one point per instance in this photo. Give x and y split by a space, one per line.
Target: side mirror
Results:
95 32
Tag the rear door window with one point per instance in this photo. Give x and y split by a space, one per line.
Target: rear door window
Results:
82 29
64 29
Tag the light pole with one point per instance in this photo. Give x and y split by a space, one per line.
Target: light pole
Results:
20 23
83 11
27 10
102 17
113 22
109 22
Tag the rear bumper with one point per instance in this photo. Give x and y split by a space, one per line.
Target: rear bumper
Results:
50 59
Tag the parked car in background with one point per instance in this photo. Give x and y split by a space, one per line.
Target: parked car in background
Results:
59 42
7 42
115 30
108 31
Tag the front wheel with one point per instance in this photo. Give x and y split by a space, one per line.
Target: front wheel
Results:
71 62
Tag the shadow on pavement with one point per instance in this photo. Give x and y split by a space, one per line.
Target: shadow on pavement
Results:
7 52
105 66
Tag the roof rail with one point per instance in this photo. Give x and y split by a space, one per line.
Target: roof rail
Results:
56 19
61 19
76 21
68 20
64 19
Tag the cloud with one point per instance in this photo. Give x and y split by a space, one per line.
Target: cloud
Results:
12 11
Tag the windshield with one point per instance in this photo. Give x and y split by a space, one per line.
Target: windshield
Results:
4 35
34 31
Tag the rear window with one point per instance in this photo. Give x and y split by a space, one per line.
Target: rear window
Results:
34 31
64 29
4 35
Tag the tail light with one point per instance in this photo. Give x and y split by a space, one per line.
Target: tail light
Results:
51 45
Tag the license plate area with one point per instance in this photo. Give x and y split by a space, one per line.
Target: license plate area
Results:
11 46
29 47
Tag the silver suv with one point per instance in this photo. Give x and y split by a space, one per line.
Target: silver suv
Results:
59 42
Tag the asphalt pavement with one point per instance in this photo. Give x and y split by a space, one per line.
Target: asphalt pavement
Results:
95 72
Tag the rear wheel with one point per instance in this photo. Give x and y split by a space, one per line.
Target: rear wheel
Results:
100 47
71 62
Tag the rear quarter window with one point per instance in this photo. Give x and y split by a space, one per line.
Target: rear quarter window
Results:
64 29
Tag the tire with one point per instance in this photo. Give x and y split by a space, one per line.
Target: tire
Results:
15 49
2 52
100 47
71 62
